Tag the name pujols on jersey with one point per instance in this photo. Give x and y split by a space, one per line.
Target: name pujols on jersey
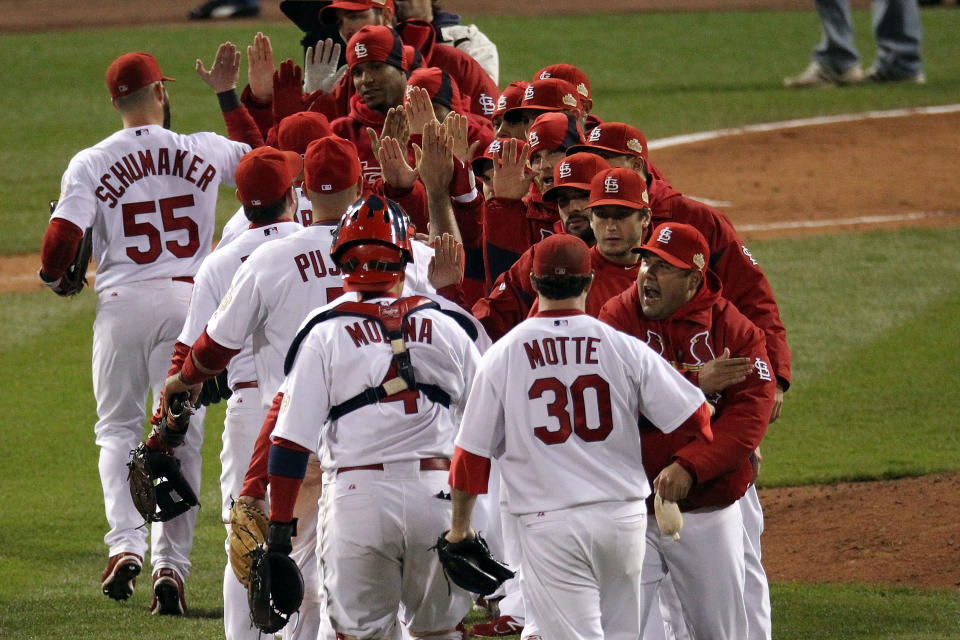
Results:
153 162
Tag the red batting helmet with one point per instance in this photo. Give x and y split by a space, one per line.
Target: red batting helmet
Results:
371 245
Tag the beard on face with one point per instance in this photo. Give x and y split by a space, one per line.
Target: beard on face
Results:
166 113
585 234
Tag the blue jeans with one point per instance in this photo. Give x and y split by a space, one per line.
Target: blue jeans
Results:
896 28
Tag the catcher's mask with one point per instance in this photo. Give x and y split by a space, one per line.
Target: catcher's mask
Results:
371 245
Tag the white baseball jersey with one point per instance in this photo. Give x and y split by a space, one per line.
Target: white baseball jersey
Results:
150 195
212 283
238 223
556 400
275 289
344 356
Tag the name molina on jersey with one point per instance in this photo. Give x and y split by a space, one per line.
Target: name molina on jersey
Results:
162 162
368 331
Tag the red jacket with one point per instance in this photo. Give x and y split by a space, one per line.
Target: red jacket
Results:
474 83
353 127
511 227
693 335
513 298
743 281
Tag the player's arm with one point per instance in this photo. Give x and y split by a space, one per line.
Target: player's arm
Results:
469 475
60 244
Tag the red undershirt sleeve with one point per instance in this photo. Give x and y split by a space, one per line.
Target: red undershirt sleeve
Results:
60 244
469 472
255 482
208 354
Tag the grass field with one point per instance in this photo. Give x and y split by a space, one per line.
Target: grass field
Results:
872 317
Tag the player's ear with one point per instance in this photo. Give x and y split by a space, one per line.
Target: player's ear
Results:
358 188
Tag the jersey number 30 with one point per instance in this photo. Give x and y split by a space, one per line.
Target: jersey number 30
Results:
132 228
577 423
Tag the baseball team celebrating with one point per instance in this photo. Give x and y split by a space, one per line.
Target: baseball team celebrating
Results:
442 310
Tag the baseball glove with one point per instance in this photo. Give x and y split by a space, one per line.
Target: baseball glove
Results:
276 589
248 530
469 565
157 486
72 281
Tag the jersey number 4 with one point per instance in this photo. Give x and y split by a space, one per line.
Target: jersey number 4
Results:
578 422
168 206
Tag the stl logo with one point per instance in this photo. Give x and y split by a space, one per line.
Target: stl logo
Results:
409 86
664 235
544 75
611 185
565 170
487 103
533 139
747 253
494 147
763 369
360 49
528 93
594 135
501 103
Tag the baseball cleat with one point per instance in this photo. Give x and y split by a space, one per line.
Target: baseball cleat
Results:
120 576
168 597
225 9
501 627
816 76
875 74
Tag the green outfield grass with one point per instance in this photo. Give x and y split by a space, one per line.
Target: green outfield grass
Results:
871 317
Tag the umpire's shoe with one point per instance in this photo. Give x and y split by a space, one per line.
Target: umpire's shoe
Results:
168 597
120 576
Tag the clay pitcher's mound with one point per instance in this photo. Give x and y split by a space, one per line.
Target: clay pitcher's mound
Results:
892 532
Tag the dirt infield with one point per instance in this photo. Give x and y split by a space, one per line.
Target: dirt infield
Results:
844 175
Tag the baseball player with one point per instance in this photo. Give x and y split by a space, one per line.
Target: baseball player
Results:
676 306
264 187
149 195
384 432
510 97
564 389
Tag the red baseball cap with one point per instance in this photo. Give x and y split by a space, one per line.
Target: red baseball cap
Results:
575 172
552 131
442 88
300 129
561 254
616 137
133 71
619 186
376 44
552 94
327 15
485 160
567 72
510 97
679 244
265 174
332 164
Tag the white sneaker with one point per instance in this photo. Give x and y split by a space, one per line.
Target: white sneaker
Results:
875 74
816 75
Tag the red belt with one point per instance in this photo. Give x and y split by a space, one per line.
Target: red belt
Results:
426 464
246 385
188 279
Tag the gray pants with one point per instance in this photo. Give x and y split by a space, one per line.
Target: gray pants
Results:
896 27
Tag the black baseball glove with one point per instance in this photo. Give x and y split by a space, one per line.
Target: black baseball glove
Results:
72 281
469 565
157 486
276 585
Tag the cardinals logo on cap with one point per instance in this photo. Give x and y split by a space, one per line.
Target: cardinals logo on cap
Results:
634 145
565 170
594 135
360 49
528 93
501 102
487 104
664 236
533 139
611 185
569 100
544 75
494 146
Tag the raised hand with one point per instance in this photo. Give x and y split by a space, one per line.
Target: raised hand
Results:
225 71
510 178
458 127
446 265
723 371
419 109
320 70
393 164
260 68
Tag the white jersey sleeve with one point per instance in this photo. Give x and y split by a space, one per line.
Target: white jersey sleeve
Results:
416 281
236 225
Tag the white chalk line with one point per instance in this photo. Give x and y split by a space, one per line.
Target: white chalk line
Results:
688 138
842 222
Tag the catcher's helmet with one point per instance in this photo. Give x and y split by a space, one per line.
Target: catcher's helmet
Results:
371 245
